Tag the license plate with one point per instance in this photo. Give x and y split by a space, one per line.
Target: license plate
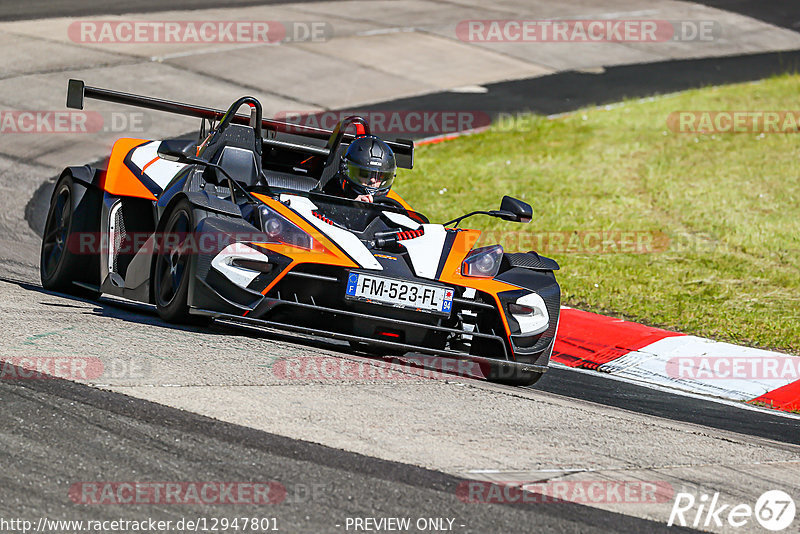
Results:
401 293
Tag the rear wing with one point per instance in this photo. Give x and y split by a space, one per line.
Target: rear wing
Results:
77 91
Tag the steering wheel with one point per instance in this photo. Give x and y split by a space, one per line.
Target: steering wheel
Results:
389 202
386 201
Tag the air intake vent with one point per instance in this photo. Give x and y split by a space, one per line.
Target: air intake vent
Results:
116 236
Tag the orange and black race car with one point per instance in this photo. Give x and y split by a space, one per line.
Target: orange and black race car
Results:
234 225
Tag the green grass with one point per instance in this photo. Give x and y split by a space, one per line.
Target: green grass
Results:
728 203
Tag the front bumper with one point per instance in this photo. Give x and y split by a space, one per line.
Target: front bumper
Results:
309 300
489 366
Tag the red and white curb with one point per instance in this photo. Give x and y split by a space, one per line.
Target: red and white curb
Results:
648 355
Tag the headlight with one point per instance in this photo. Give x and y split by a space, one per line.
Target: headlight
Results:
483 262
531 314
279 229
273 227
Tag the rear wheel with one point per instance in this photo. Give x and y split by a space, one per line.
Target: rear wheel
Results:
62 262
172 266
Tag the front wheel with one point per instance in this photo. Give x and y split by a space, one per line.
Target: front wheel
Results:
61 262
171 273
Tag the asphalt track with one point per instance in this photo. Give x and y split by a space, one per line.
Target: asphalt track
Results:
59 432
785 13
593 388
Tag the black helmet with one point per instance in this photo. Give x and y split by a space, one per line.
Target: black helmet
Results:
369 165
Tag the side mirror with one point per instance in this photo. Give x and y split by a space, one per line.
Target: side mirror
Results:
513 209
176 150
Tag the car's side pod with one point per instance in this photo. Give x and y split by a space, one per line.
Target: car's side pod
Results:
200 200
213 204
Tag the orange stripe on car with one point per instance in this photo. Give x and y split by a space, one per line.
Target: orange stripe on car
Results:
150 163
325 252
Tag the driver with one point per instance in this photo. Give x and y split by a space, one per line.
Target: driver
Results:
366 172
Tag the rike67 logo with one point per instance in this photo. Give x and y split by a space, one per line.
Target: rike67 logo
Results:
774 510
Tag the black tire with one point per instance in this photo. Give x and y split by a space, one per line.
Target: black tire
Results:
512 376
60 263
172 268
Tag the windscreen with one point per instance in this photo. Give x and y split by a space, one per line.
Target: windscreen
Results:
355 215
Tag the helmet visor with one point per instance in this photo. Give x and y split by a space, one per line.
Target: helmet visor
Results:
371 180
